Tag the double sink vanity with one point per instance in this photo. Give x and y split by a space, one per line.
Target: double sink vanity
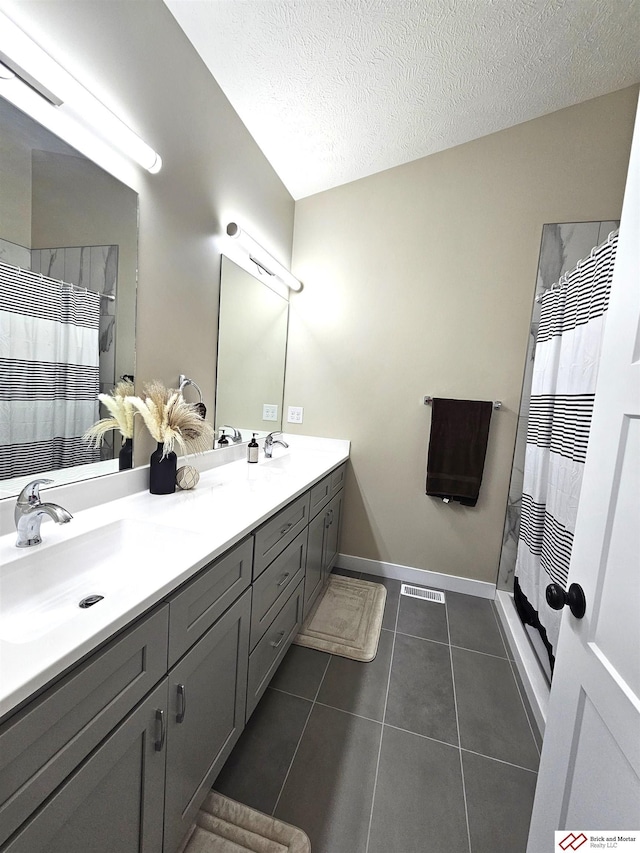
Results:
117 717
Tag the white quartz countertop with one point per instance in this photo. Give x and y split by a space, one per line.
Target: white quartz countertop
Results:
167 539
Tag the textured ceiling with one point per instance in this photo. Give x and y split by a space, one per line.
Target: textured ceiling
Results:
334 90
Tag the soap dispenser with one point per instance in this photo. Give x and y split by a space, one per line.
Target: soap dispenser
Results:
223 440
252 449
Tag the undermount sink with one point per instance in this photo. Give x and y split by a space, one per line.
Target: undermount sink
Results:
42 590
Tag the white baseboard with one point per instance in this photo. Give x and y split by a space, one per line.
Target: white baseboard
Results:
409 574
535 683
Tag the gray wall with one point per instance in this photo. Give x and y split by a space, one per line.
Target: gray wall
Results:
15 180
134 56
420 280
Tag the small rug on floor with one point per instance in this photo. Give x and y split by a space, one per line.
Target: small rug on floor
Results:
346 620
224 826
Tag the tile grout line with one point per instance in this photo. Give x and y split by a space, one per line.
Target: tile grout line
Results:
293 757
384 717
455 705
407 731
350 713
326 705
304 728
500 760
453 646
513 673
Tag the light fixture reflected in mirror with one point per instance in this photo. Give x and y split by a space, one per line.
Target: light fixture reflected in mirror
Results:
265 262
252 346
34 82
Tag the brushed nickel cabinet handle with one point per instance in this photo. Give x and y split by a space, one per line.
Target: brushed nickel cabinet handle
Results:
160 732
287 526
284 579
276 644
182 698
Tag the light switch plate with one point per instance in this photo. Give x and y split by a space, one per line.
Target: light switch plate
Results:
269 412
295 414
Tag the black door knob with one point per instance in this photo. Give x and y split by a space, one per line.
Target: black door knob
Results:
557 598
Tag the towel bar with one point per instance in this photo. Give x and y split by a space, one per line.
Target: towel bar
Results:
497 404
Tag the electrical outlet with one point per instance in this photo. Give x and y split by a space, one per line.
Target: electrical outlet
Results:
295 415
269 412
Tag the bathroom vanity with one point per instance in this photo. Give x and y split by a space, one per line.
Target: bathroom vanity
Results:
110 743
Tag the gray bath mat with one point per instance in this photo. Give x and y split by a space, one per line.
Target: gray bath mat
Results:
224 826
346 620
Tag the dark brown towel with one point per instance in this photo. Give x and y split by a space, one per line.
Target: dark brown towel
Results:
457 448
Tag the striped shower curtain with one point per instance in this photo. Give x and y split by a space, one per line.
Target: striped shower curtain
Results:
49 372
563 390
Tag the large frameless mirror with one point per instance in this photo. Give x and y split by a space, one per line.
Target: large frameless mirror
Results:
68 270
252 344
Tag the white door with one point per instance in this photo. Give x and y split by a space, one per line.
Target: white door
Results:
590 766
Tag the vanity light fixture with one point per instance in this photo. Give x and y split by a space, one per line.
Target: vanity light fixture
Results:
261 258
62 104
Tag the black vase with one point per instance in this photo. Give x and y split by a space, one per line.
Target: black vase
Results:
125 457
162 472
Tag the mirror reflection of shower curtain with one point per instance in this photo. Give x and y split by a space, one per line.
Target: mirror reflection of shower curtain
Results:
49 372
563 390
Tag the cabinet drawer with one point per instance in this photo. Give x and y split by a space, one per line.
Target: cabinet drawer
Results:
337 479
322 492
43 743
273 537
320 495
266 656
194 609
275 584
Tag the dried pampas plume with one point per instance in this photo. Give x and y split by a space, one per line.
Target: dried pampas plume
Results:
171 420
121 411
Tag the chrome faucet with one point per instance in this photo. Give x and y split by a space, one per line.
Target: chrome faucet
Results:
236 435
270 441
29 511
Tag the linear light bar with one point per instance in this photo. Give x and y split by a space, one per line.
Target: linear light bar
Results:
35 83
261 258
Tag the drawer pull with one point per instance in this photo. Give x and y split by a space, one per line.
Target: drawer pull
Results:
284 579
327 519
182 707
160 732
287 526
277 643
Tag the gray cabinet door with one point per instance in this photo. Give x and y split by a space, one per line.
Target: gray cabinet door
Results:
113 802
41 745
332 532
315 561
207 698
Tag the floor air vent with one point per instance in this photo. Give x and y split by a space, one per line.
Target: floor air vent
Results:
421 592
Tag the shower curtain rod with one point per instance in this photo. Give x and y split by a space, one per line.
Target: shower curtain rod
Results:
562 281
21 271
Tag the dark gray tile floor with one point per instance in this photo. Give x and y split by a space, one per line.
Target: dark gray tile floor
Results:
428 748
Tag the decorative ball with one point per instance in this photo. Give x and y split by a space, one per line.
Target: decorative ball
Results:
187 477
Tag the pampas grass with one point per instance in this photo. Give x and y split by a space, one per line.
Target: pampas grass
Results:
121 411
171 420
